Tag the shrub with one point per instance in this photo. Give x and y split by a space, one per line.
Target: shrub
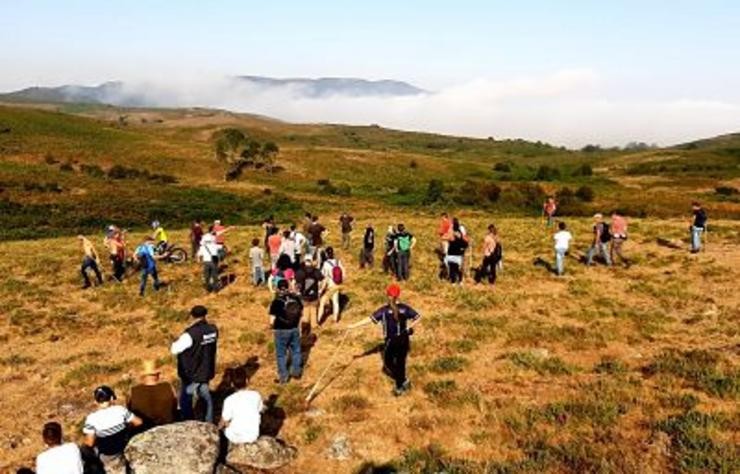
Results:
585 194
94 171
525 195
413 164
50 160
693 448
435 191
726 190
67 167
502 167
583 170
444 365
701 369
591 148
547 173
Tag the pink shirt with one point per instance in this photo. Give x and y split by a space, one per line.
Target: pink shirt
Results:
619 225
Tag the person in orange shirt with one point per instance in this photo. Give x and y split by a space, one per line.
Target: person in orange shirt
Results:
274 242
619 235
444 231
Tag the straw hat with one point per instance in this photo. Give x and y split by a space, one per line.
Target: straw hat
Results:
149 367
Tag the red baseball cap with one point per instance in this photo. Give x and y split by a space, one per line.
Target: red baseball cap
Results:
393 290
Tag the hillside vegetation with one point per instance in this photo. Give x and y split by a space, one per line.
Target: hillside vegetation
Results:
605 370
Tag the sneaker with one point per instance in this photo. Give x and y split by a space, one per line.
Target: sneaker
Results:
406 385
297 377
397 392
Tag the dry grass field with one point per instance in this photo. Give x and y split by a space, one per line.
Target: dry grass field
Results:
604 370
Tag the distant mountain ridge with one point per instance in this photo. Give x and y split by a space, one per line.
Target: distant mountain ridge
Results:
122 94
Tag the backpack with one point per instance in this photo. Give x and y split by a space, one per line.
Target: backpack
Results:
498 253
404 242
337 275
606 235
293 310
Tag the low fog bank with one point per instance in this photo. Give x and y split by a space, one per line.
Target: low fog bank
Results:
571 108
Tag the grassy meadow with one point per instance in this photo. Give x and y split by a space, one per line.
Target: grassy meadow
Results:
603 370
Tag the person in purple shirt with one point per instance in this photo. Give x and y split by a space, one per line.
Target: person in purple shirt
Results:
398 320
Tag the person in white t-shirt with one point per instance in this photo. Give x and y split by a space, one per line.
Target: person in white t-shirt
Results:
58 458
562 243
331 285
242 412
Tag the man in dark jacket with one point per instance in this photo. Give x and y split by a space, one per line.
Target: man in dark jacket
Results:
286 312
698 226
196 362
368 247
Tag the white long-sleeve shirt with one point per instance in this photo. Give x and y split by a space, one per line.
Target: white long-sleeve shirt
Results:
182 344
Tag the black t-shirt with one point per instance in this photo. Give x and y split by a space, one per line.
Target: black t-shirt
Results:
308 280
700 218
346 223
278 308
457 247
315 231
369 240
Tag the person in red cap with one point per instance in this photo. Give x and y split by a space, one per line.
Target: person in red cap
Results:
398 321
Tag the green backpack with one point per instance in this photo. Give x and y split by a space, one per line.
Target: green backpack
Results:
404 243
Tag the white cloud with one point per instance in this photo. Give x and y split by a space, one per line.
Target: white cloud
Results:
569 107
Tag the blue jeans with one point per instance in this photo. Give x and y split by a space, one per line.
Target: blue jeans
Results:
186 399
404 260
603 249
288 339
258 276
145 272
560 261
90 263
696 238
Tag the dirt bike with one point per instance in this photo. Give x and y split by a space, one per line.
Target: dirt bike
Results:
172 254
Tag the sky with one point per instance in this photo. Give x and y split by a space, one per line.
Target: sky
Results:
568 72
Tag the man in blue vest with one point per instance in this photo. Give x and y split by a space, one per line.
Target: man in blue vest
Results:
196 362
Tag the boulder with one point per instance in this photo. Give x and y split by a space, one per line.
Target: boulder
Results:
189 447
265 453
340 448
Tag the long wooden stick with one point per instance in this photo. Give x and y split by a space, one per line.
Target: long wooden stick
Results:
331 362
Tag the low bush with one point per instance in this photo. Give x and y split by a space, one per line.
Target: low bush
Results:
726 190
547 173
585 194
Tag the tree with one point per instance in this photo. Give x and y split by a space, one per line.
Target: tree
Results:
268 153
230 145
434 191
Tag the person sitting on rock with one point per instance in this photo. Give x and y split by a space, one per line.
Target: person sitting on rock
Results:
241 415
106 428
58 458
153 400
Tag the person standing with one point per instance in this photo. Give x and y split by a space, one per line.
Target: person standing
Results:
58 458
219 230
160 237
90 260
308 281
390 262
148 263
548 210
256 260
316 233
345 223
443 231
288 246
268 225
196 362
404 243
242 411
698 227
106 428
209 253
619 236
301 245
602 236
491 254
456 253
153 400
368 247
562 243
398 320
286 312
196 233
114 241
274 242
334 276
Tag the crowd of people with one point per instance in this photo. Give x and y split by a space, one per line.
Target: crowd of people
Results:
307 278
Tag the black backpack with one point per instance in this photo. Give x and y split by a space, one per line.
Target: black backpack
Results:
293 310
606 234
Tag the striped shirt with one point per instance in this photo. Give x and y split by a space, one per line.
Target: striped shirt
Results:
108 425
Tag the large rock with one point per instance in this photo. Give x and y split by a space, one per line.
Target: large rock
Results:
189 447
265 453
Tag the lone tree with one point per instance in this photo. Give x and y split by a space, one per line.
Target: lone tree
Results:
239 151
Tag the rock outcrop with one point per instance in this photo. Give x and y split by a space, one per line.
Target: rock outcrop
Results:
189 447
265 453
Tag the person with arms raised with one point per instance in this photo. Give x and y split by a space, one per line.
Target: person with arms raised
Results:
398 320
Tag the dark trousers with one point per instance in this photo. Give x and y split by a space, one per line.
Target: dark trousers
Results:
488 269
118 268
90 263
366 257
210 275
394 358
454 271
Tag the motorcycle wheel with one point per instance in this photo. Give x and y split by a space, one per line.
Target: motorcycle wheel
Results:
178 255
